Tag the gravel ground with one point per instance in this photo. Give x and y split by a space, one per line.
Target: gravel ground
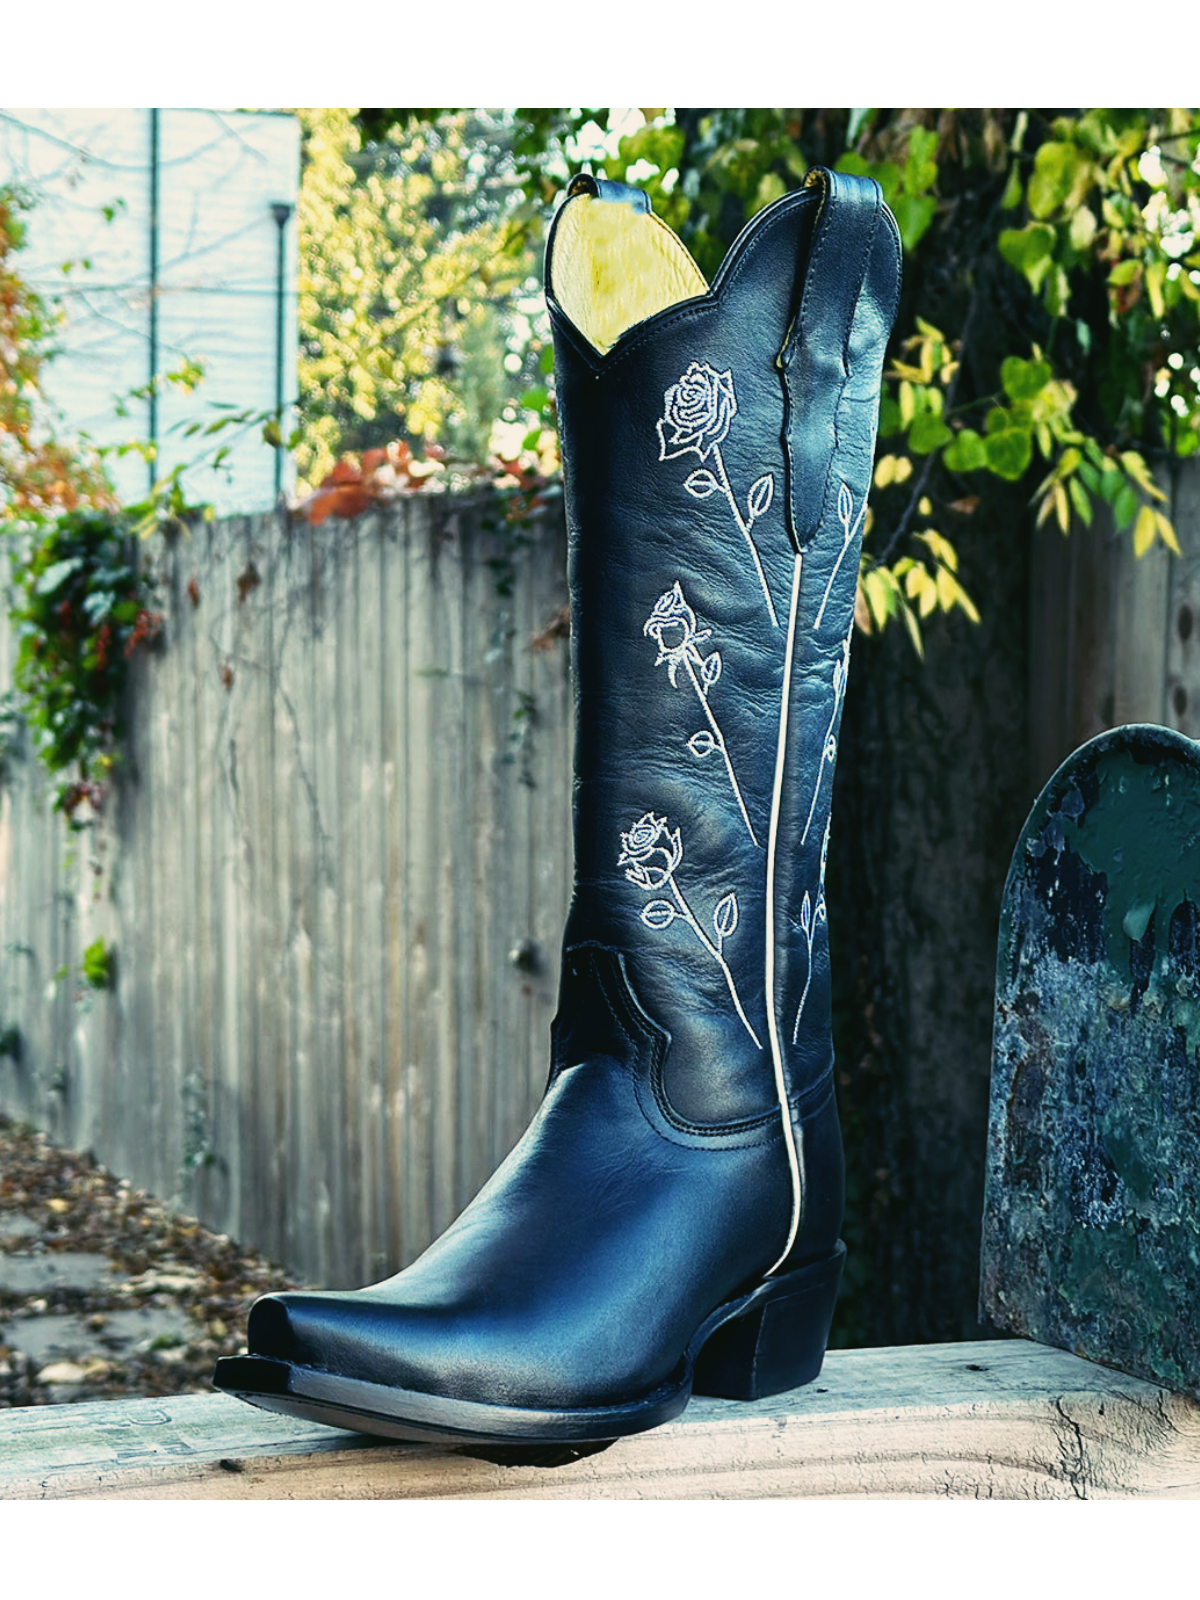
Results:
104 1293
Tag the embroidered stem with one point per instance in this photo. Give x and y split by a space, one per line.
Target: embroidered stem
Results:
845 508
720 740
841 674
826 760
733 506
810 933
686 912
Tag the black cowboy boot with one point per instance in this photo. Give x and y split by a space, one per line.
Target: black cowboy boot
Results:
669 1222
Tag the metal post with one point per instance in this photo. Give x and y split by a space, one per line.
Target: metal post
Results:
153 393
281 213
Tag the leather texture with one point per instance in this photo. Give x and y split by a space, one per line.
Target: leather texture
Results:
716 461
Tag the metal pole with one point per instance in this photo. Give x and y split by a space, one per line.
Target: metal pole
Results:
281 213
153 402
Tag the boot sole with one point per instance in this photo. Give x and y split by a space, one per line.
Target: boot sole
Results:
763 1343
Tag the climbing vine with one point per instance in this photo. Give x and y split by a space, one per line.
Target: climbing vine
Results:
82 608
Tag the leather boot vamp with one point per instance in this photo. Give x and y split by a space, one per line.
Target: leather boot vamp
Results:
578 1274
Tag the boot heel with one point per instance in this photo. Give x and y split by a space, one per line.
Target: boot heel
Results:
778 1341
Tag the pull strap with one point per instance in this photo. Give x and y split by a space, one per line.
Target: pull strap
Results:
608 189
816 358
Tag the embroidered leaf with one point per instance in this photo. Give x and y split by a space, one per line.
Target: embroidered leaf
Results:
831 748
710 669
701 483
702 744
761 494
659 914
845 505
806 912
725 917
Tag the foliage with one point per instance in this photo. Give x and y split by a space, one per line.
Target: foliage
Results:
39 475
99 965
81 611
81 605
1051 312
415 290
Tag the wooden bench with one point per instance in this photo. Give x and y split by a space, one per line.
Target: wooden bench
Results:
1002 1419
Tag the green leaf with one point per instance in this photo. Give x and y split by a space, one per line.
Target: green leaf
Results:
998 419
1125 271
56 575
1125 506
1057 292
97 965
1054 170
1156 277
1028 249
920 169
1083 229
1079 499
97 605
770 187
965 452
890 419
879 586
928 433
1024 380
914 630
858 166
1009 451
913 215
1090 476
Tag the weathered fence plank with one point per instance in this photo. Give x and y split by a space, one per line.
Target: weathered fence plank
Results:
1004 1420
316 862
1115 638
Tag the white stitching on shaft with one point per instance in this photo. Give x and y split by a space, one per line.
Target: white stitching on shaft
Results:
795 1152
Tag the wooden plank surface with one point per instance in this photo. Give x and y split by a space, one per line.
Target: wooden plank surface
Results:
999 1419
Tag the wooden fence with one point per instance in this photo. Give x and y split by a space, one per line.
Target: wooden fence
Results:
347 808
1113 638
334 874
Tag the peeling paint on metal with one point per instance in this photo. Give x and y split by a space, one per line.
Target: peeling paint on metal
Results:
1091 1237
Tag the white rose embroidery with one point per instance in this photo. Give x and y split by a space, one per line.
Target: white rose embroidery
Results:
651 852
673 627
697 412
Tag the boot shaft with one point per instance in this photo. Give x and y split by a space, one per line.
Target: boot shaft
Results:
716 456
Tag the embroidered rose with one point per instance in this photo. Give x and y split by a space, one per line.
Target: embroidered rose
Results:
650 837
673 627
697 412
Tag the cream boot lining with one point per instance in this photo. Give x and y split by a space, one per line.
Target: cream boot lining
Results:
613 267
